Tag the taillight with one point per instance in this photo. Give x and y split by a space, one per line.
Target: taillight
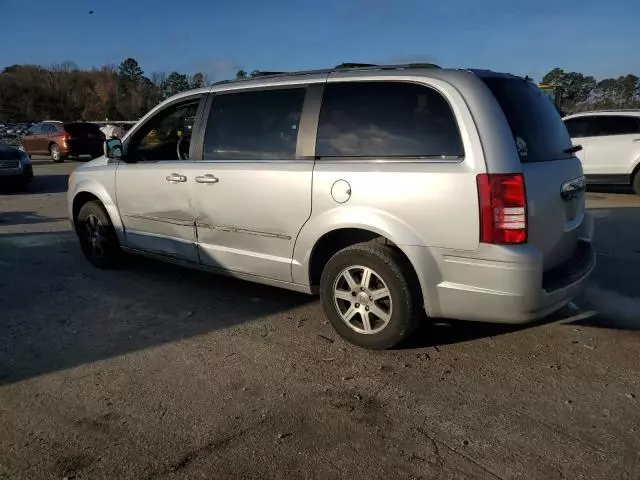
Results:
503 208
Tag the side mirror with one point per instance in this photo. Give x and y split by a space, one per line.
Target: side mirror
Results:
113 148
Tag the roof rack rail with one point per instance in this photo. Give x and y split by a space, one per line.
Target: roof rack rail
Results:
260 73
354 65
337 68
372 66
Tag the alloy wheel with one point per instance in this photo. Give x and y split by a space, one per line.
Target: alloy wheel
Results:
362 299
95 237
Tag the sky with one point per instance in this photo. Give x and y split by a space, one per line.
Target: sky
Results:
218 37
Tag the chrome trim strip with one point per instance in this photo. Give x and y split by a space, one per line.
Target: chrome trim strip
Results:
232 229
173 221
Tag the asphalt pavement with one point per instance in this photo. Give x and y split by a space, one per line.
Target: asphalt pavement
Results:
157 372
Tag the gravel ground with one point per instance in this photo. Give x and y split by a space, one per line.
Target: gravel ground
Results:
156 372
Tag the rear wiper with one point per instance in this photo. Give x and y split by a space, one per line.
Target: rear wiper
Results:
574 149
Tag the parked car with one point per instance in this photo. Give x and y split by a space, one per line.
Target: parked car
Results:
610 141
391 191
11 139
63 140
15 167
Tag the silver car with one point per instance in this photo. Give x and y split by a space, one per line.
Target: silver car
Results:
389 190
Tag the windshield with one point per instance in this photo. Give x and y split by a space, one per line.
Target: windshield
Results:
537 128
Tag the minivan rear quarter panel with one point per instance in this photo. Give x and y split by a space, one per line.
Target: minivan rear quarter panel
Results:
410 201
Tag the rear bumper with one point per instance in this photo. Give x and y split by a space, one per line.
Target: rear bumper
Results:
507 284
71 148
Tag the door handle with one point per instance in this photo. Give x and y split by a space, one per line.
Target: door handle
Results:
176 177
208 178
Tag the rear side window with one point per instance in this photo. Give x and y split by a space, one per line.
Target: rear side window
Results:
537 128
77 129
579 127
386 119
260 125
605 125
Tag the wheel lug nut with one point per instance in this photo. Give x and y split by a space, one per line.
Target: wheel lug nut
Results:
357 305
353 294
366 308
362 289
370 298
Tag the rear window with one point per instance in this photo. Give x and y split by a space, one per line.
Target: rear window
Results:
537 128
82 128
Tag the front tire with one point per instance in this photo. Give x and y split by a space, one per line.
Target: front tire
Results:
97 236
369 295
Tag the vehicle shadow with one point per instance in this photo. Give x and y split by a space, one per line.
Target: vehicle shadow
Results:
441 332
596 188
58 312
48 184
25 218
39 184
613 293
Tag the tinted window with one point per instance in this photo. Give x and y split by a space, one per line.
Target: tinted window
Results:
579 127
604 125
254 125
385 119
80 129
36 129
536 126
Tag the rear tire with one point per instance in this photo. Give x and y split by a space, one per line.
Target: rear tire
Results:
370 296
97 236
636 183
56 155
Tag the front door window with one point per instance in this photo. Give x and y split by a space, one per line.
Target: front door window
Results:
165 136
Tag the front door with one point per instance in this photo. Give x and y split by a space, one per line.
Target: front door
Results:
153 188
253 191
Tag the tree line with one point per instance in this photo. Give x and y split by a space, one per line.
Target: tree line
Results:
66 92
124 92
581 92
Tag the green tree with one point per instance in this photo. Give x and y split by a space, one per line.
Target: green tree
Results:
130 70
175 83
198 80
241 74
576 87
255 73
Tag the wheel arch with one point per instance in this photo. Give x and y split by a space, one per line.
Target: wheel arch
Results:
91 190
323 237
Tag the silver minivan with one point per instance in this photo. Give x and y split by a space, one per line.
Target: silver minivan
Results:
392 191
